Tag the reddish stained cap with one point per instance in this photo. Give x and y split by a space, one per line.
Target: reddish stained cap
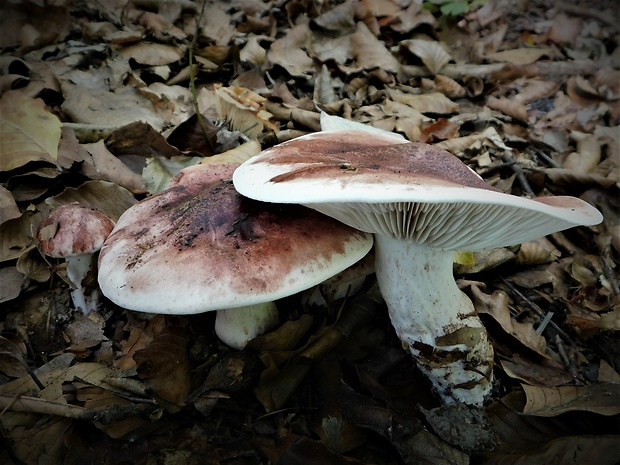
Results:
200 246
411 191
73 229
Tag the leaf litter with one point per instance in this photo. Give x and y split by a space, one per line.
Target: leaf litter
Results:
98 106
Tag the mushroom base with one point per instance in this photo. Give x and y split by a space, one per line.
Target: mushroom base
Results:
435 321
78 268
237 326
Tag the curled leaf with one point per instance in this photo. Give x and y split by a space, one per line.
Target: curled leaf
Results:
432 54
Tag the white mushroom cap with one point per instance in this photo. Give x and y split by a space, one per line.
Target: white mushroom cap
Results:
75 232
200 246
73 229
410 191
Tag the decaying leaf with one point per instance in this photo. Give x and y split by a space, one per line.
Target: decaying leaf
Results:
371 53
163 364
427 103
152 54
496 305
603 399
243 110
28 131
432 54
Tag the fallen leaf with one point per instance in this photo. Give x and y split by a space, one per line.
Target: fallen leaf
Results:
432 54
8 207
520 56
496 305
152 54
433 102
370 52
28 131
603 399
163 364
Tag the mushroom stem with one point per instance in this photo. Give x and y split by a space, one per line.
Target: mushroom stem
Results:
77 269
237 326
435 321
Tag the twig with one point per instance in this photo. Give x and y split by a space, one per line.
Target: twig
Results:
537 310
547 159
492 169
544 323
509 158
36 405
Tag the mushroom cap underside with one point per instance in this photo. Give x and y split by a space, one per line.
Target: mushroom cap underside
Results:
410 191
200 246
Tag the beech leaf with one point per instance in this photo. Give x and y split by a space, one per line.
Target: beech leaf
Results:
28 132
432 54
603 399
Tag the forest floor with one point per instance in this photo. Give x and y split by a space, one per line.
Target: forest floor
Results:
98 106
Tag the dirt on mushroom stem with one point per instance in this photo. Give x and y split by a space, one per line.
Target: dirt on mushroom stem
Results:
435 321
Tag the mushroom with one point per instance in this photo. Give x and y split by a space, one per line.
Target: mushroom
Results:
422 204
199 246
76 233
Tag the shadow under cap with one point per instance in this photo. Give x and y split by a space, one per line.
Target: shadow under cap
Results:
200 246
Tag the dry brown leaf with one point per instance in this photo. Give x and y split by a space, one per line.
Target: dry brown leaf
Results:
108 110
28 131
509 107
163 364
31 265
243 109
16 235
542 372
111 168
109 198
433 102
449 87
572 178
152 54
520 56
370 52
524 439
432 54
237 155
8 207
12 361
11 283
564 29
288 51
411 18
588 154
441 129
253 52
159 24
537 252
606 374
589 323
496 305
603 399
337 20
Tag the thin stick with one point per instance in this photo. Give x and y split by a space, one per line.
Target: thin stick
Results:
509 158
537 310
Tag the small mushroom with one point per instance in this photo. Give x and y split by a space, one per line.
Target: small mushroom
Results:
76 233
199 246
422 204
